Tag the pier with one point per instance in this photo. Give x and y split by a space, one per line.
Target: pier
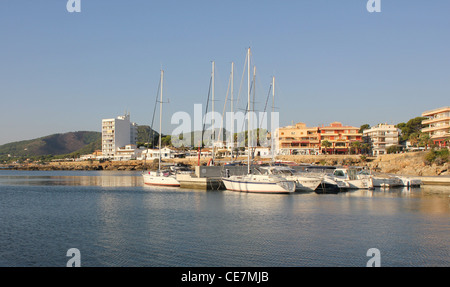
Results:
208 177
434 180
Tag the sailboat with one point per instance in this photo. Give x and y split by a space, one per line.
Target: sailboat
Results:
256 183
159 177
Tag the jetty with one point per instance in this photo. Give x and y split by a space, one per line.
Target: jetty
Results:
434 180
208 177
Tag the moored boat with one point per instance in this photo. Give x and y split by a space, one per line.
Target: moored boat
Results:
160 178
302 182
258 183
351 180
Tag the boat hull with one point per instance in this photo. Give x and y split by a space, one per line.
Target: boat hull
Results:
160 180
358 183
253 185
307 184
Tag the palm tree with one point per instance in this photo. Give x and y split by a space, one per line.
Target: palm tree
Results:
326 144
424 140
356 145
365 147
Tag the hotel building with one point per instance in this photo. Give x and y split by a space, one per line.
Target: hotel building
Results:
381 137
297 139
437 125
117 133
340 137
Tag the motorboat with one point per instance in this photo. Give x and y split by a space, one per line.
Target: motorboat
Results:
302 182
380 180
349 176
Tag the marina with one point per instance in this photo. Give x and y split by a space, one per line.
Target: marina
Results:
234 135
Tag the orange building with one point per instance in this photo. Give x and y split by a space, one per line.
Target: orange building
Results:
298 139
340 137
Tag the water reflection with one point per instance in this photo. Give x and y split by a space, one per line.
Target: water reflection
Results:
130 224
104 179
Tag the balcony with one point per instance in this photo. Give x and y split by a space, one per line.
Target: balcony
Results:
436 119
435 111
436 128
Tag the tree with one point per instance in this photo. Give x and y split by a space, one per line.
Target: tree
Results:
364 127
356 145
166 141
412 126
424 140
414 139
365 148
393 149
326 144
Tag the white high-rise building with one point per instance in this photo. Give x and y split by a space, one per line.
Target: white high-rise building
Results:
117 133
381 137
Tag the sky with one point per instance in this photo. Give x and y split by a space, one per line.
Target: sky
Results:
332 60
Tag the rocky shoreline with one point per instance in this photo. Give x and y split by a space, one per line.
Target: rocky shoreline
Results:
412 164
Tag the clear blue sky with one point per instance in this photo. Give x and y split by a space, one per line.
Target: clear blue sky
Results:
333 60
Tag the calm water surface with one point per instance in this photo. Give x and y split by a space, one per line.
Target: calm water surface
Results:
116 221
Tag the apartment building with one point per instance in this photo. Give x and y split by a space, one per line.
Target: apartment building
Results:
381 137
340 137
437 125
300 139
117 133
297 139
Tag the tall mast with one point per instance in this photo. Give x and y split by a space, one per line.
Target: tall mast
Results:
248 110
273 109
232 116
160 119
254 133
212 115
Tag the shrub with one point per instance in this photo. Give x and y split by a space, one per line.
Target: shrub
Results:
437 156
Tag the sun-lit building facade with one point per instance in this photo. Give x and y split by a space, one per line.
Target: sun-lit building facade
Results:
300 139
117 133
340 138
381 137
437 125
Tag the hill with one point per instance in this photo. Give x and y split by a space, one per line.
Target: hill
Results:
66 144
56 144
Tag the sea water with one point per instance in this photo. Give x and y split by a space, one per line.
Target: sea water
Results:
114 220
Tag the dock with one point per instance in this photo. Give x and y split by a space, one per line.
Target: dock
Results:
434 180
208 177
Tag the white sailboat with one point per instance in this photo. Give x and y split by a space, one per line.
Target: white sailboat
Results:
159 177
256 183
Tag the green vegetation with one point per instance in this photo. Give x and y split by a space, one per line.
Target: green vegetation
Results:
67 145
393 149
412 129
364 127
145 135
355 147
326 144
436 156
